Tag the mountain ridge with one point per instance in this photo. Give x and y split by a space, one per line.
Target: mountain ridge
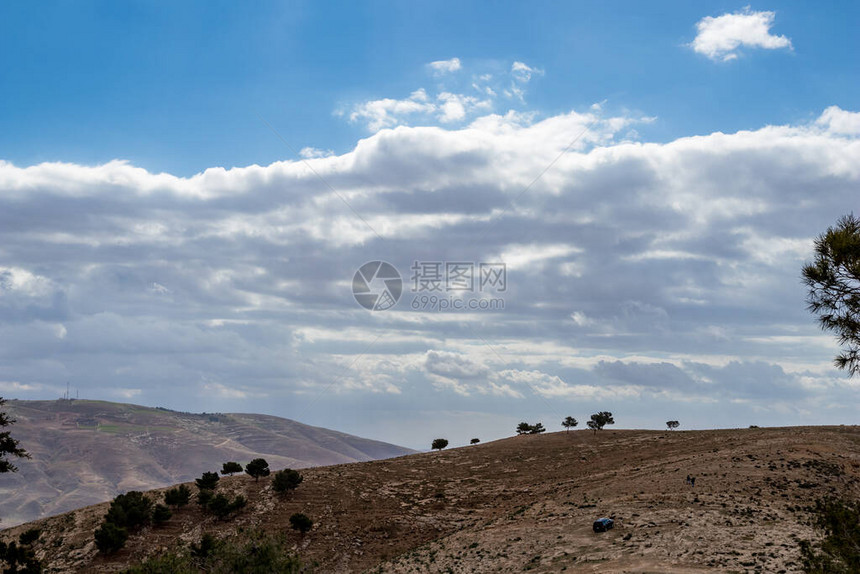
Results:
88 451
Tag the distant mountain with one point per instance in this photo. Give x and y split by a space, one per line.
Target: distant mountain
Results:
85 452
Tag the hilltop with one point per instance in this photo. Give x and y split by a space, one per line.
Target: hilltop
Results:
527 503
85 452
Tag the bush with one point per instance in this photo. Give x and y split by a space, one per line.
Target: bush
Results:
222 507
110 537
257 468
301 522
261 553
475 441
286 480
131 510
839 551
204 496
161 514
208 481
231 468
439 444
21 557
179 496
30 536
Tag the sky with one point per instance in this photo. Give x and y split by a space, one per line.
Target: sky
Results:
589 206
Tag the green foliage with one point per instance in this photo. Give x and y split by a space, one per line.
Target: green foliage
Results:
29 537
231 468
204 496
301 522
179 496
161 514
20 557
8 445
257 468
839 551
526 428
569 423
439 443
475 441
130 510
600 420
222 507
260 554
286 480
207 546
110 537
833 279
672 425
208 481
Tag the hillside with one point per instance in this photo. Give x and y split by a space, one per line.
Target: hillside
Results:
85 452
527 503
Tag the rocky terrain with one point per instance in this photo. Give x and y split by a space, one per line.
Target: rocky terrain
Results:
527 504
84 452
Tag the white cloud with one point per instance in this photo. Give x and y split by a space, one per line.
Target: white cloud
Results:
720 38
445 66
638 271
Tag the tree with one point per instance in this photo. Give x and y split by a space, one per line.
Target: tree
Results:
8 445
130 510
833 279
537 429
300 522
20 557
203 497
439 443
110 537
257 468
208 481
286 480
524 428
475 441
592 425
178 496
672 425
569 423
231 468
600 420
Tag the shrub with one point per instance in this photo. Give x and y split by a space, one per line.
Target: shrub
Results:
222 507
301 522
130 510
257 468
110 537
161 514
179 496
204 496
839 551
231 468
30 536
475 441
286 480
208 481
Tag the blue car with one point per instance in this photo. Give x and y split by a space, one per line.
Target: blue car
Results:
603 524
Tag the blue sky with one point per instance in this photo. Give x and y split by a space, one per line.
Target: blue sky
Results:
178 87
186 192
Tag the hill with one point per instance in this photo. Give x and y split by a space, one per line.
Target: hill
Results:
85 452
527 503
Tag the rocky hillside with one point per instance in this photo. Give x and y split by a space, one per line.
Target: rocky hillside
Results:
86 452
527 503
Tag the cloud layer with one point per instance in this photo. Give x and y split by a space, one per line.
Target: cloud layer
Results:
642 277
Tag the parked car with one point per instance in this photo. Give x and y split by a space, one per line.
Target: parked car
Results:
603 524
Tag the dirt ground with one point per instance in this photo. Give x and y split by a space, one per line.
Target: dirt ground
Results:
527 504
